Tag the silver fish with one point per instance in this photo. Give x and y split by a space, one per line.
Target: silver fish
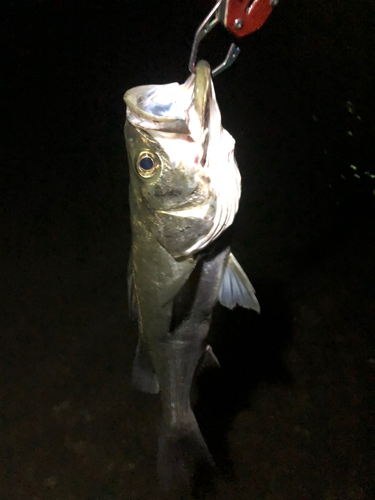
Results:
184 193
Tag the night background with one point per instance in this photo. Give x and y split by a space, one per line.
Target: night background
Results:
290 415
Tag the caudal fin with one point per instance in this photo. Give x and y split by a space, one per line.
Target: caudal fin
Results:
182 454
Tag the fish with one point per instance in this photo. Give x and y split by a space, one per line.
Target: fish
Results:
184 193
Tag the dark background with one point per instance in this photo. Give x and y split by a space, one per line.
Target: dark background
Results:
290 415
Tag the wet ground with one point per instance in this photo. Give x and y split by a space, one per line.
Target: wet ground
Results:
290 415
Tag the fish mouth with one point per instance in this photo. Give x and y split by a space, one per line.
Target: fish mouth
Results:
182 109
160 107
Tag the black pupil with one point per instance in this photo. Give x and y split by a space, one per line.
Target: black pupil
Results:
146 163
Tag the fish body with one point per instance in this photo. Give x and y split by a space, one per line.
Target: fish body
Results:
184 193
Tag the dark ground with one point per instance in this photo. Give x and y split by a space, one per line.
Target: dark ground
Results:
290 415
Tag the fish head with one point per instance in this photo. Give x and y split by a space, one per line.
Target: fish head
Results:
184 179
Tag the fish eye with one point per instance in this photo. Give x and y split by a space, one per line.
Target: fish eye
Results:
147 164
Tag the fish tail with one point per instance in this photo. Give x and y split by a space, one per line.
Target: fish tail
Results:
182 455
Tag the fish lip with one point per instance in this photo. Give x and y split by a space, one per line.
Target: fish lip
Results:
202 92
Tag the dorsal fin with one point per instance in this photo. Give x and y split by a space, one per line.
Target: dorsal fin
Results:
208 360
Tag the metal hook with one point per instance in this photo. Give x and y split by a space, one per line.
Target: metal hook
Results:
207 25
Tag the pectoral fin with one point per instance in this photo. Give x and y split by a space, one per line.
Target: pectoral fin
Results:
143 375
236 288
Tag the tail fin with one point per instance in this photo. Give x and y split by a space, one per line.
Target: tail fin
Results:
182 455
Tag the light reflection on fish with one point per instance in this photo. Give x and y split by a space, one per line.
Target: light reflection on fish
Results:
184 192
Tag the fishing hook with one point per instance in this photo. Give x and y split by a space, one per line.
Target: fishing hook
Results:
207 25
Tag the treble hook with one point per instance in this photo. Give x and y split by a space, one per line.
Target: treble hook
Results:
207 25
